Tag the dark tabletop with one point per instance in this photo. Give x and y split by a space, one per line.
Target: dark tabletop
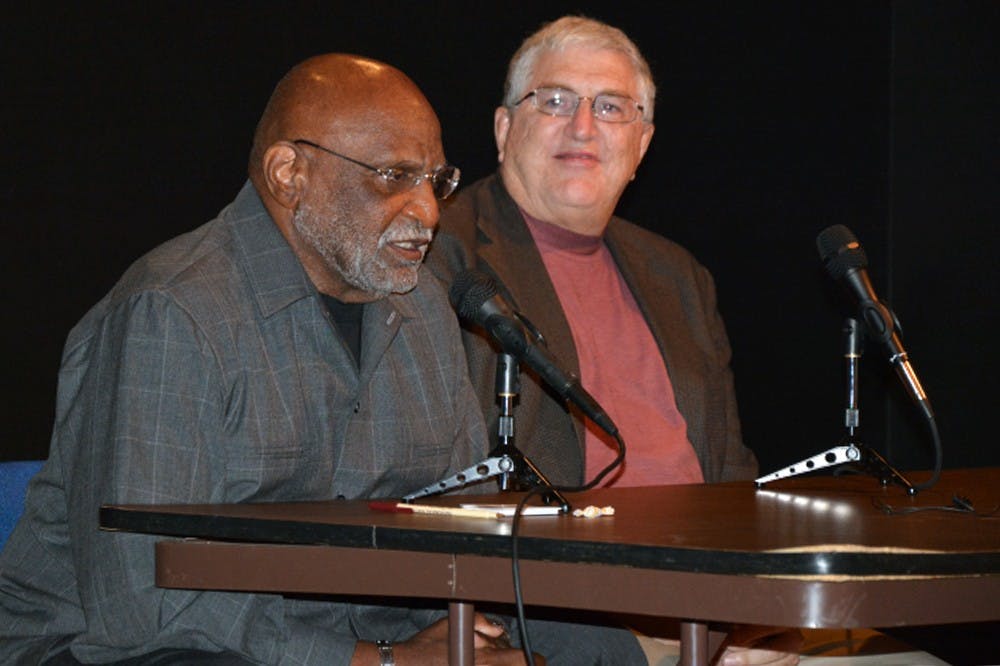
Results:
844 525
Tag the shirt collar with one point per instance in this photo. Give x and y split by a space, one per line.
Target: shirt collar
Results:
550 236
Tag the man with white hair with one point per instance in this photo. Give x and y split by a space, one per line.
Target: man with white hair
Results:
631 313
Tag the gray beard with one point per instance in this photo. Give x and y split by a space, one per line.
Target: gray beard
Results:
342 245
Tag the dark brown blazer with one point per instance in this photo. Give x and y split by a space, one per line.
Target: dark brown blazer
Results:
483 228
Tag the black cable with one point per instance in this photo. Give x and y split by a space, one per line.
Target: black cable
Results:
515 567
959 504
932 424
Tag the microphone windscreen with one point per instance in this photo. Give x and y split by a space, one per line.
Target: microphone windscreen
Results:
469 291
840 251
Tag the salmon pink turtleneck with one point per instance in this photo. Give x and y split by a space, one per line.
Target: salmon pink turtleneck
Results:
620 364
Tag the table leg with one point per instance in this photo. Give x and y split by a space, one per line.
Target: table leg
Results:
694 644
461 642
699 644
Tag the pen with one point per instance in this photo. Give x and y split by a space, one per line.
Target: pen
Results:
402 507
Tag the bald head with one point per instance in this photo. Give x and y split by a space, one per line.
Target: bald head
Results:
331 97
332 126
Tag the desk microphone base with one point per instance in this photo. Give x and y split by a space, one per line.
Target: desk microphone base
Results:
851 453
512 469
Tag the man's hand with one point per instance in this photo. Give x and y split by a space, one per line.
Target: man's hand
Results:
430 647
751 645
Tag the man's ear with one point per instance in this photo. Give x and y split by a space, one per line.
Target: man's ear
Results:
647 136
283 174
501 125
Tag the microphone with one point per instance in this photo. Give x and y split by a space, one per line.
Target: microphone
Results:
475 297
845 260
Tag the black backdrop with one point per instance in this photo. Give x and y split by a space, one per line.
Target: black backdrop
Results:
125 124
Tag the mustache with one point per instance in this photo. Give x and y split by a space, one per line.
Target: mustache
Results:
409 230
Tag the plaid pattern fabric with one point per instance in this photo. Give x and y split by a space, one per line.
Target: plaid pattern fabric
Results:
211 373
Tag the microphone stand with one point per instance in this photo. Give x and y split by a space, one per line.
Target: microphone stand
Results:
513 469
850 451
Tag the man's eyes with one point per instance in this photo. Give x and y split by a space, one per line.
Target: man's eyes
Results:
394 175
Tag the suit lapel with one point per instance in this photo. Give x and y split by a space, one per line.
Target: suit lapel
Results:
518 267
659 301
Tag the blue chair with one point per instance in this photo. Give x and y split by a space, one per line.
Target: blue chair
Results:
14 477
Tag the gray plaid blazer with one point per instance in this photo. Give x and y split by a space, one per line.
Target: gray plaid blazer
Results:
211 373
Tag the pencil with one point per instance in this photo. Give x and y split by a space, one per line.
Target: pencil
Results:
459 512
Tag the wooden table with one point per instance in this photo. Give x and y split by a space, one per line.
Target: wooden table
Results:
803 552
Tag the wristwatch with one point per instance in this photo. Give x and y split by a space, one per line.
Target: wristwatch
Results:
385 657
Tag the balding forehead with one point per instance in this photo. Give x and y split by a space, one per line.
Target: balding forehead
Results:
324 90
352 104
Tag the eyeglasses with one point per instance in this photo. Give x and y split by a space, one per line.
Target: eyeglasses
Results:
443 180
607 107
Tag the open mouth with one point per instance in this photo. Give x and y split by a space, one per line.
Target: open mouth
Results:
410 249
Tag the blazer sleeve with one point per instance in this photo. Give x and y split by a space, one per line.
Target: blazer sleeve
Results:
141 406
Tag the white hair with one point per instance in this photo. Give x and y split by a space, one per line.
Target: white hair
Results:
571 31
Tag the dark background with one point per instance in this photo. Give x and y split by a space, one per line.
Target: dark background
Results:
124 124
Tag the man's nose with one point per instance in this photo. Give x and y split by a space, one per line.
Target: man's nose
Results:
424 205
583 122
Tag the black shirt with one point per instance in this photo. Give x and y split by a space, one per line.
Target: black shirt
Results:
347 318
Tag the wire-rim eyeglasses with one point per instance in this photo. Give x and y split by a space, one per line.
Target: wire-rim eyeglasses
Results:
607 107
443 180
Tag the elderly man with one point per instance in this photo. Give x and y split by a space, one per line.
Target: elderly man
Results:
632 313
261 357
